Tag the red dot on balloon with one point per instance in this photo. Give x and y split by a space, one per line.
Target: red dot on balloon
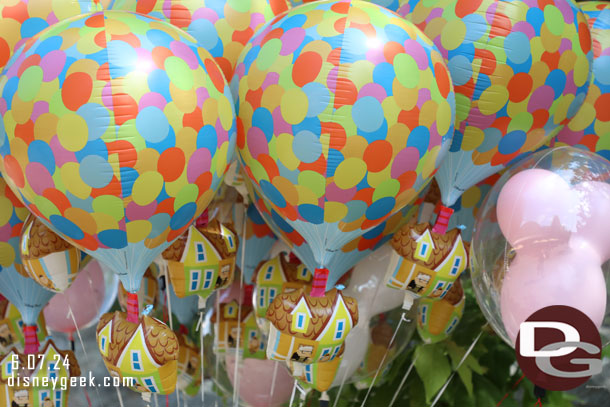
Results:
194 120
409 118
57 198
340 7
159 55
103 72
113 188
204 182
407 180
551 59
540 118
5 52
466 7
241 134
17 12
585 37
340 25
225 66
346 93
95 21
306 68
76 90
14 171
25 131
377 155
145 6
88 242
216 76
128 156
269 165
100 39
391 49
243 36
289 212
602 107
519 87
171 164
125 108
501 26
442 79
32 60
488 61
254 97
180 16
166 206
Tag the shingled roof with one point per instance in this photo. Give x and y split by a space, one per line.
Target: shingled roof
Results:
279 312
404 242
161 342
433 195
211 231
455 293
41 241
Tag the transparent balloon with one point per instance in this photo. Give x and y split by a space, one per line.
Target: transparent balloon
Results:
539 240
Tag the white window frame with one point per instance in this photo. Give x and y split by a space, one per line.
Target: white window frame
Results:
59 395
152 387
269 273
303 316
335 352
447 289
424 247
261 297
195 281
208 280
340 332
200 256
456 265
138 361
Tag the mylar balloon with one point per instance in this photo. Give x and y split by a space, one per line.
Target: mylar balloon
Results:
259 240
345 112
11 334
389 4
47 258
520 70
118 129
590 128
437 318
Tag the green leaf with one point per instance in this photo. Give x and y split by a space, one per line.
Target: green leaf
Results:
606 352
432 367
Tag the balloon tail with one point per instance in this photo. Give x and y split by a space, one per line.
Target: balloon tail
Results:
273 383
385 355
294 390
133 308
320 278
169 305
402 382
324 400
442 220
31 339
87 396
167 400
118 393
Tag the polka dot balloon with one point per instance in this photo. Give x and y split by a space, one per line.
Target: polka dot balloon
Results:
223 27
23 19
520 69
392 5
345 111
590 128
117 129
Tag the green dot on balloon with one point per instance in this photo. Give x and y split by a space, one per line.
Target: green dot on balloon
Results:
241 6
258 170
462 107
179 73
553 19
110 205
268 54
187 194
388 188
407 71
46 207
522 121
314 181
29 83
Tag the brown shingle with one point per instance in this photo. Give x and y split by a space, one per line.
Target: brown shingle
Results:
455 293
41 240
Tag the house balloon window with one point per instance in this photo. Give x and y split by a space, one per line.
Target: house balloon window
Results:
456 266
269 273
423 249
200 249
300 320
136 363
58 396
209 274
195 275
150 384
261 298
271 294
340 329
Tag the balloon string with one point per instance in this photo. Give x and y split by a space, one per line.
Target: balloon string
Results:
201 357
294 390
216 345
402 382
87 396
385 355
472 345
156 401
118 393
338 396
178 398
239 306
82 344
169 303
272 383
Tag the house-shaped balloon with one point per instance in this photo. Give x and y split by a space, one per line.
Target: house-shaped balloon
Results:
148 293
202 260
189 366
318 376
309 329
55 365
146 351
275 276
425 263
228 330
437 318
11 332
47 258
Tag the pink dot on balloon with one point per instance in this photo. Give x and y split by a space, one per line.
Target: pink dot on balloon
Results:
336 194
406 160
257 142
52 64
38 177
152 99
40 108
542 98
291 40
183 51
61 155
137 212
206 14
199 163
373 89
418 53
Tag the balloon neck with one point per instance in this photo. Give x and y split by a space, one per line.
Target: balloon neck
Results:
133 308
442 220
248 292
204 219
407 302
320 278
292 258
31 339
183 329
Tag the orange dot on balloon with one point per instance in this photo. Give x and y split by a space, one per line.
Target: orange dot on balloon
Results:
13 170
180 16
269 165
241 135
103 72
194 120
306 68
5 52
540 118
145 6
76 90
243 36
203 182
88 242
216 76
585 37
125 108
340 25
159 55
166 206
128 155
346 93
340 7
95 21
391 49
25 131
442 79
519 87
466 7
17 12
225 66
377 155
171 164
57 198
602 107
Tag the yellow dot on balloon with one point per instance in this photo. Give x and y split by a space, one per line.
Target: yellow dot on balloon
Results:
147 188
294 106
471 197
444 117
283 148
110 205
138 230
225 112
349 173
334 211
6 210
81 218
453 34
584 117
306 195
103 221
473 137
581 70
7 254
73 182
493 99
72 132
287 190
271 97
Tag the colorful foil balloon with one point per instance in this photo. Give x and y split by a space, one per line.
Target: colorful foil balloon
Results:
437 318
318 376
47 258
189 366
345 112
235 327
11 335
27 295
146 351
117 130
426 263
259 240
223 27
202 260
520 71
50 363
590 128
23 19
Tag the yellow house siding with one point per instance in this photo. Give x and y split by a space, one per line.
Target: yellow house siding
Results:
127 363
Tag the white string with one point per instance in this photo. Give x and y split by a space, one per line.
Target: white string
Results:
347 368
201 356
216 345
402 382
241 288
169 301
273 383
118 393
438 396
156 402
178 397
402 319
294 389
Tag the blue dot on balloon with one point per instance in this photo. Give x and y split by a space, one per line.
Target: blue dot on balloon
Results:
420 139
556 80
159 38
295 21
262 119
152 124
396 33
306 146
476 27
380 208
207 138
40 152
128 178
367 114
482 83
94 147
384 75
204 32
159 224
183 216
318 97
97 118
48 45
312 213
461 70
9 91
334 159
32 26
512 142
95 171
66 227
535 17
281 223
517 47
376 231
355 210
113 238
456 142
271 193
158 82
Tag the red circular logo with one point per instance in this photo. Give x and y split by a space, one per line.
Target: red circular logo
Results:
559 348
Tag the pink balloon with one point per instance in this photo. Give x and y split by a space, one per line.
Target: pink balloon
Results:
255 381
85 297
593 225
562 276
536 206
